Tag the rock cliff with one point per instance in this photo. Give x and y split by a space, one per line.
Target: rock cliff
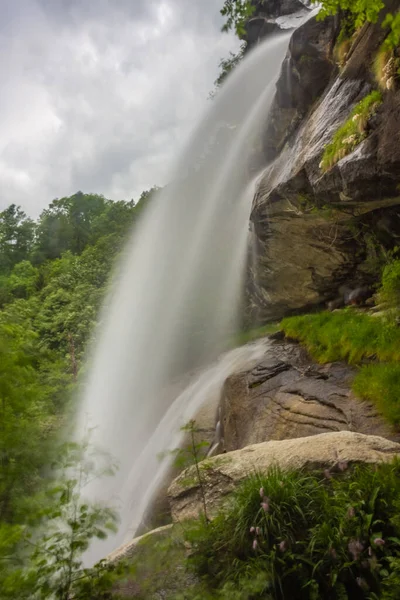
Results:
313 228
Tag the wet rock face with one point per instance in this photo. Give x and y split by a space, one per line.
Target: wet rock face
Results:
272 17
288 396
307 222
305 73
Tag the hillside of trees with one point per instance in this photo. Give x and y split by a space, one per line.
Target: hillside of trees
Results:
54 274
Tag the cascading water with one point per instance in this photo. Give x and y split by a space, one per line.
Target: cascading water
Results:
176 296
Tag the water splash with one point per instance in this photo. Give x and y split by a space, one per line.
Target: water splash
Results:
177 292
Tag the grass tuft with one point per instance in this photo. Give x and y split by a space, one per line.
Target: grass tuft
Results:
353 132
345 335
327 535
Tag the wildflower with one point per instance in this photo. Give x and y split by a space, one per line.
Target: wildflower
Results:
283 546
355 548
362 583
343 466
327 474
352 139
258 531
379 542
265 505
351 513
255 544
356 117
252 529
262 492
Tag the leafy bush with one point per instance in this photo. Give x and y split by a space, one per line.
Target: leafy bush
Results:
305 537
43 558
360 10
237 12
352 132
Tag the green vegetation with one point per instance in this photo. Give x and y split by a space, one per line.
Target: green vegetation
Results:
360 10
227 65
390 291
360 339
345 335
237 13
353 132
380 384
303 536
54 274
42 557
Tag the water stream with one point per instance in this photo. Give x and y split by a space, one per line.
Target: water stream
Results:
176 295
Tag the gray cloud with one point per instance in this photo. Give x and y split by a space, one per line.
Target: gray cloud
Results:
99 96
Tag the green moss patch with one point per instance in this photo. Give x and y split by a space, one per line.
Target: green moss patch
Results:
352 132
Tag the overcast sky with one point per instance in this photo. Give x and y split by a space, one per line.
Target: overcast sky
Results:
99 95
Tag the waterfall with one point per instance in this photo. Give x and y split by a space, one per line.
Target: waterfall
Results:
175 298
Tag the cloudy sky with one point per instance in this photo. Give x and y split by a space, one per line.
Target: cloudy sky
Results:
99 95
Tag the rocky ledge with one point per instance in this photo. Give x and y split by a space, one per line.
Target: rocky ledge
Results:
221 474
287 395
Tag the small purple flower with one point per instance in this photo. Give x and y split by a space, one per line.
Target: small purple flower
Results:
355 548
262 492
258 531
283 546
252 529
343 466
327 474
265 505
379 542
255 544
351 513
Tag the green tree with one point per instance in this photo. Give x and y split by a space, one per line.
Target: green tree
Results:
66 225
16 237
237 13
24 418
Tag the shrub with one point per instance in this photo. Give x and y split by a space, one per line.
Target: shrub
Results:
305 536
360 10
353 132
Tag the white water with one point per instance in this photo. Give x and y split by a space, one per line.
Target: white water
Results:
176 296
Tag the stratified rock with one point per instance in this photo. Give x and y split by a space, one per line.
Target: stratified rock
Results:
309 223
223 473
288 396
